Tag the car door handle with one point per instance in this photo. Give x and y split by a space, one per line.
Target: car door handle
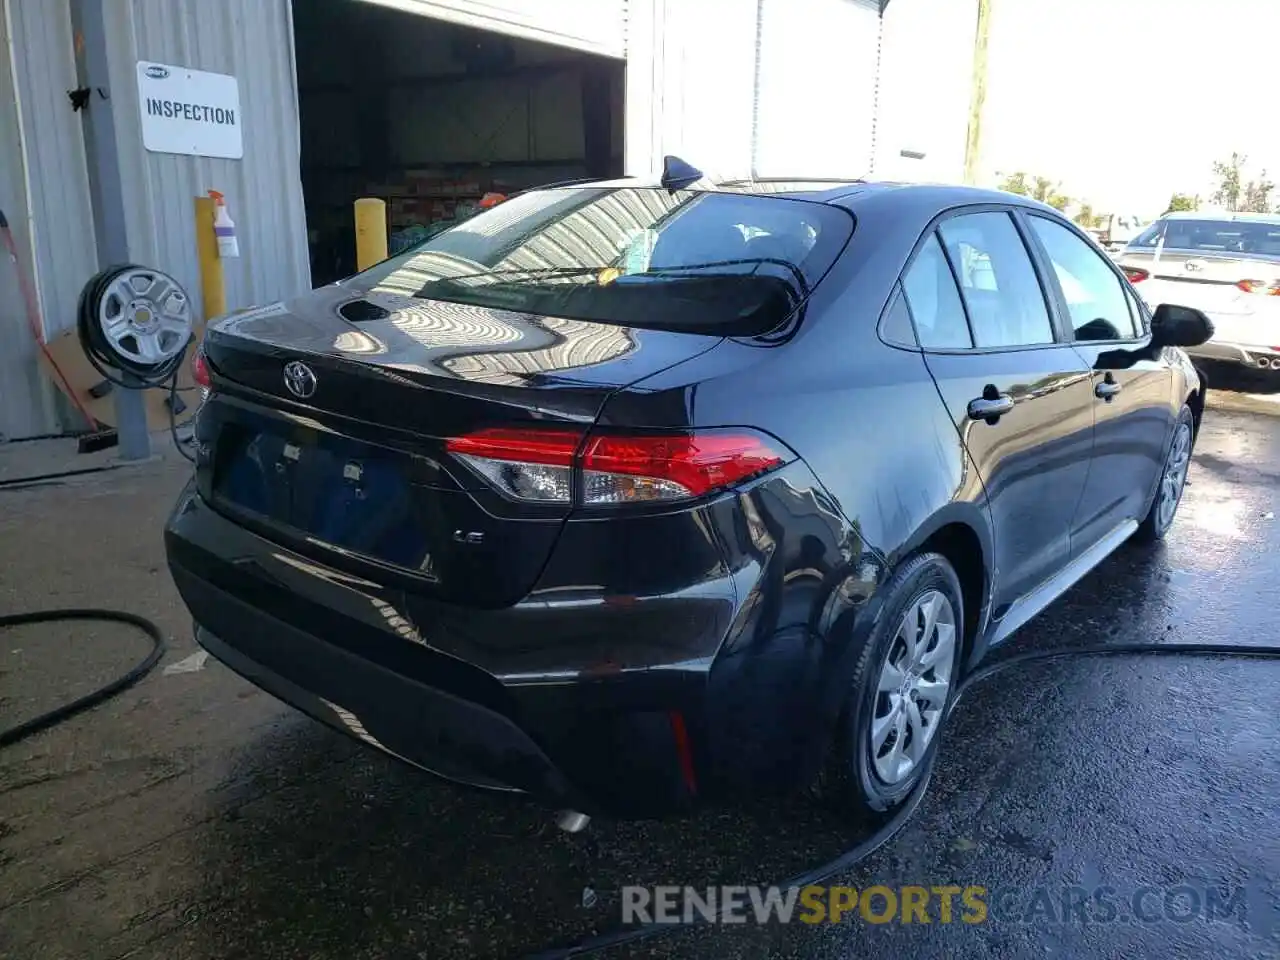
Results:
990 406
1106 390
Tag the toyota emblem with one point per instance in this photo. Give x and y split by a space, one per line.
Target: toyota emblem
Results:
300 379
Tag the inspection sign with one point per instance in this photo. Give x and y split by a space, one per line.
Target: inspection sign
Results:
190 111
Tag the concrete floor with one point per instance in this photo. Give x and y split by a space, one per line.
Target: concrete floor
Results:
196 817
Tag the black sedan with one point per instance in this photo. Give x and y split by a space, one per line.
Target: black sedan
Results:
637 494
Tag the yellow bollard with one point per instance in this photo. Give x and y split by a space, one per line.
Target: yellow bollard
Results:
371 232
213 285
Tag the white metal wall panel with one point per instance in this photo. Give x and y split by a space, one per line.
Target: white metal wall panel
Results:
44 190
816 96
926 71
253 41
690 79
594 26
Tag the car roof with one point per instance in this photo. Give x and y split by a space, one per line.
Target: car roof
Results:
842 192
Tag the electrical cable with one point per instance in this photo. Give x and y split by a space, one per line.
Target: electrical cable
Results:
635 933
67 710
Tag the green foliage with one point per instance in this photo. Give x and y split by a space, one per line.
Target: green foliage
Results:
1038 188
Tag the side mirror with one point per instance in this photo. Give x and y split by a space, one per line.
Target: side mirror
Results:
1174 326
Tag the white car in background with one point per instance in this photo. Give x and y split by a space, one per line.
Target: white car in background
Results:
1227 265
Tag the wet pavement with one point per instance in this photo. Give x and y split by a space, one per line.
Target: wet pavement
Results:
196 817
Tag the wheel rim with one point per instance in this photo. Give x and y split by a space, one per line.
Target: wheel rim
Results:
1175 475
145 316
914 683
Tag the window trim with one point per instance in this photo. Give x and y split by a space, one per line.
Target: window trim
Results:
1126 288
1051 304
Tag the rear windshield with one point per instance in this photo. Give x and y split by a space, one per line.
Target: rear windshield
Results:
1232 237
722 263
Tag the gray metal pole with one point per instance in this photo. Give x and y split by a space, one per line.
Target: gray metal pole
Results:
88 25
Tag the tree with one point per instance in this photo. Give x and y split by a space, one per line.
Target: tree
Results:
1229 176
1257 195
1086 217
1038 188
1180 202
1046 191
1016 183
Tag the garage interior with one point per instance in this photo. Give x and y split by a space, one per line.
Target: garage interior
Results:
430 115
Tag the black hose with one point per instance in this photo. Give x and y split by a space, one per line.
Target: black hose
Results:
637 932
52 477
23 730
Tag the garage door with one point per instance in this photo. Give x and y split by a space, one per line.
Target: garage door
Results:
593 26
816 95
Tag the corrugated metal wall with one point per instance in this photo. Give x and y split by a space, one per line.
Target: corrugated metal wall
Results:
47 203
253 41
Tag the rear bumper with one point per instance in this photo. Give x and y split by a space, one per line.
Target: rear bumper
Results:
451 737
1249 355
345 651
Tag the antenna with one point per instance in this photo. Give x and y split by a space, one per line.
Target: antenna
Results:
676 174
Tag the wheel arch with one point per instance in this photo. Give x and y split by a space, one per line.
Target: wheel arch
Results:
1196 396
960 532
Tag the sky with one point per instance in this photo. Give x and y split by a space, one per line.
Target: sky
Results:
1127 101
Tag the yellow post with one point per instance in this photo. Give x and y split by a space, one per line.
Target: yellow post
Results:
213 285
371 232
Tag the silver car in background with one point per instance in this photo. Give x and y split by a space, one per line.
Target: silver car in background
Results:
1227 265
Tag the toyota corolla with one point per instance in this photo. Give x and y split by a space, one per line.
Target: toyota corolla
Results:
638 494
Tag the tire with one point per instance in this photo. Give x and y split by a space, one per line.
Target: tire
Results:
856 779
1178 460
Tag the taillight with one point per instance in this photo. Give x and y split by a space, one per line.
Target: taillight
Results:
1265 287
525 464
626 469
616 468
1136 274
200 370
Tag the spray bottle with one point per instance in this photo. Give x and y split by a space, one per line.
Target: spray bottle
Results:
224 227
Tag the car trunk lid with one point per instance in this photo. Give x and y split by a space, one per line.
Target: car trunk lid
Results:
1215 284
348 458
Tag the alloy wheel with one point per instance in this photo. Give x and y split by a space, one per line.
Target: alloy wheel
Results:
1175 475
915 680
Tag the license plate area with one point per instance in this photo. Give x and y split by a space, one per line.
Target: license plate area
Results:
334 491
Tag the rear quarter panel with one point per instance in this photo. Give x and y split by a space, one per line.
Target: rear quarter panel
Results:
885 469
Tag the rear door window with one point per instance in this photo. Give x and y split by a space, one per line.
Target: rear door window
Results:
997 280
1095 294
934 300
720 263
